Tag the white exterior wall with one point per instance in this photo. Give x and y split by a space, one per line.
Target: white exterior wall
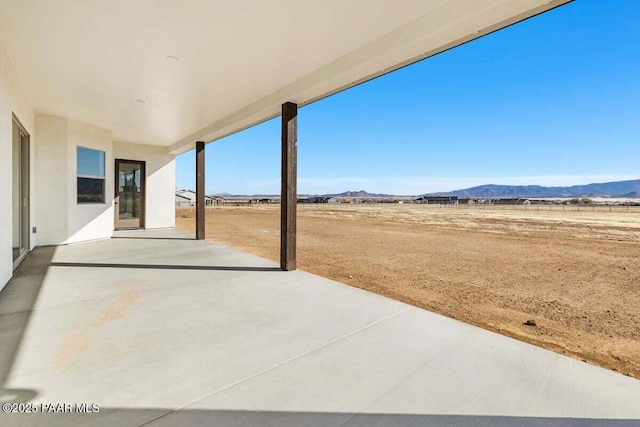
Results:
161 181
89 221
51 196
63 220
12 100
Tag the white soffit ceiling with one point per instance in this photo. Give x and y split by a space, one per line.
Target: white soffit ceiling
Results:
208 68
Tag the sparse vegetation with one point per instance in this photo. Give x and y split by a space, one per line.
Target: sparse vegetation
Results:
574 273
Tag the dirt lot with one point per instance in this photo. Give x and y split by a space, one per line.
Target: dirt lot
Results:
576 274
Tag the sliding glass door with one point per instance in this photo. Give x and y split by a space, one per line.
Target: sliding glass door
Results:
20 192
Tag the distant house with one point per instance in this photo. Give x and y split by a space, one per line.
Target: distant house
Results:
182 201
514 201
188 198
508 201
437 200
319 199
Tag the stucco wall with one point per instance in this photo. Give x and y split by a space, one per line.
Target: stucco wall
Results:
62 219
161 179
51 195
12 100
93 220
53 142
54 208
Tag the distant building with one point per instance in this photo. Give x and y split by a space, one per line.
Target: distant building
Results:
437 200
188 198
508 201
182 201
319 199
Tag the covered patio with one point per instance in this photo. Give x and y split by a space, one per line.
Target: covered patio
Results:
107 94
158 328
153 327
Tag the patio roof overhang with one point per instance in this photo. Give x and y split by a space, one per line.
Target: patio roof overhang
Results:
172 73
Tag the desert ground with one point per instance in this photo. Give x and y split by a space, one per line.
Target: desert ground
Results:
575 274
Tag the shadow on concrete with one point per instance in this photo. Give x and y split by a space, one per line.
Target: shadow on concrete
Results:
153 238
162 266
17 301
194 418
232 418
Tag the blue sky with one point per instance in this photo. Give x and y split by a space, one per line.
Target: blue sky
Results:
554 100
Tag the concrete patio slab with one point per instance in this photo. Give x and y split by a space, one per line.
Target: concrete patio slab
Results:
160 329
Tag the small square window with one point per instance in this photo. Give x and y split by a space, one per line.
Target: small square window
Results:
91 176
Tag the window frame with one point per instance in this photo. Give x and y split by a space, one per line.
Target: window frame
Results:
89 176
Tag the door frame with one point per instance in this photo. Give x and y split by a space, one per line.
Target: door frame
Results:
25 190
143 195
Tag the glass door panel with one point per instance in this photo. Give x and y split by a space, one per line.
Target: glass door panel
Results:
129 197
15 190
20 192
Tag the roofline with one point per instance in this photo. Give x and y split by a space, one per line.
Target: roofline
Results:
268 107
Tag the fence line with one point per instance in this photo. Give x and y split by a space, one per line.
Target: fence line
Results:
482 206
594 208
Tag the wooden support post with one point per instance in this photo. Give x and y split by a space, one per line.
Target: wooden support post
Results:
200 202
289 194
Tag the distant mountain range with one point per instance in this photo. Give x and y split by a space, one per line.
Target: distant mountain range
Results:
625 189
621 189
